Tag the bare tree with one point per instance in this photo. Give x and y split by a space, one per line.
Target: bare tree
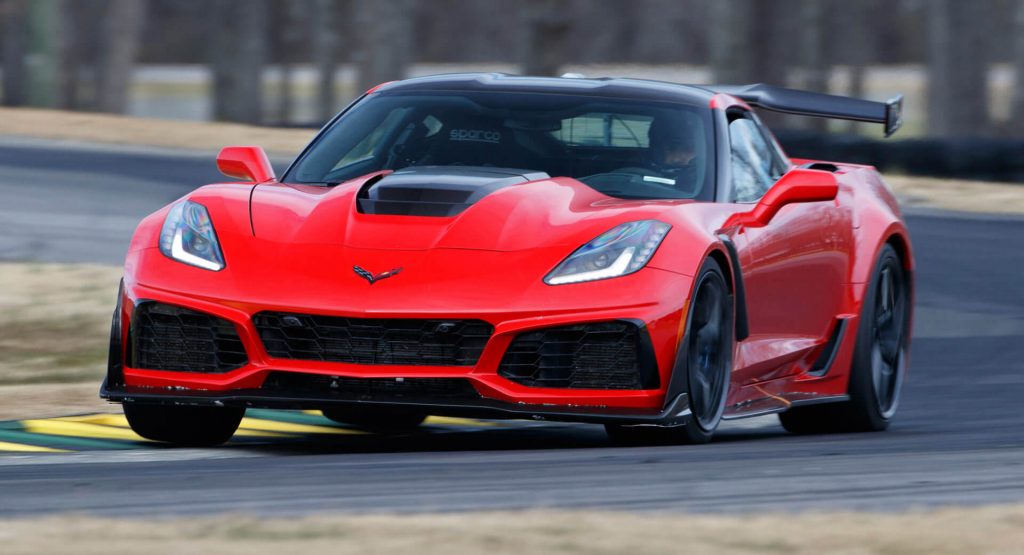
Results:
770 49
122 29
15 45
730 31
385 40
1017 111
957 69
813 64
543 31
44 49
291 26
323 23
239 51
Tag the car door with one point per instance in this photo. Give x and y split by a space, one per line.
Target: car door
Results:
793 268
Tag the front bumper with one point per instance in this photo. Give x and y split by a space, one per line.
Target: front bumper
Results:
659 313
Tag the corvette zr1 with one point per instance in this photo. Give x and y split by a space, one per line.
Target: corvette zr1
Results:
633 253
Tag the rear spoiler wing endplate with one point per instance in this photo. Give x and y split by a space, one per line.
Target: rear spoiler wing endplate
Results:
806 103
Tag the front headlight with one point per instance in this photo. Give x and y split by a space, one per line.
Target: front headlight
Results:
188 236
620 251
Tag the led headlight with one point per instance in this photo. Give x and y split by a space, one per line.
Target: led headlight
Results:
619 251
188 236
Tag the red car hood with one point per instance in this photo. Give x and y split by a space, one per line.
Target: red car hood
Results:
543 213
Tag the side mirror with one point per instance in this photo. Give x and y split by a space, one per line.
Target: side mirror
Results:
247 163
798 185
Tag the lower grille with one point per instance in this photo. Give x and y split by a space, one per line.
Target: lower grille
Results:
373 340
176 339
376 389
605 355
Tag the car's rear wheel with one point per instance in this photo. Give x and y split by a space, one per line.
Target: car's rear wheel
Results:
879 359
377 419
184 425
709 345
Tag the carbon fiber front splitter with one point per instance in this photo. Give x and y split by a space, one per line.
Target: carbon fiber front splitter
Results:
676 413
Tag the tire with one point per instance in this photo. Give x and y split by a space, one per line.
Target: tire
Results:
708 354
879 359
387 420
184 425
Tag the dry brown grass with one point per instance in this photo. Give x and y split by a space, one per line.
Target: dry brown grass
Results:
959 195
106 128
959 531
55 322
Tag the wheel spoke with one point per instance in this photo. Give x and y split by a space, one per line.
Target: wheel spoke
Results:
879 376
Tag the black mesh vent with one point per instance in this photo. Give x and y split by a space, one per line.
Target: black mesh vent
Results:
167 337
373 340
376 389
605 355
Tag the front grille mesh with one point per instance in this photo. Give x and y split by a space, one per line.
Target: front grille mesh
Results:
176 339
384 341
366 389
603 355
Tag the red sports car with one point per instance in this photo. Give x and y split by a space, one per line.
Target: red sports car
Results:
633 253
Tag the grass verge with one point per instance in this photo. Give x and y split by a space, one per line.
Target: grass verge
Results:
979 531
55 321
113 129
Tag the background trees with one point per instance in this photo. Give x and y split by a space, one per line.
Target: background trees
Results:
82 54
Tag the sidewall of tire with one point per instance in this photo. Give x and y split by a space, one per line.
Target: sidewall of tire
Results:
863 404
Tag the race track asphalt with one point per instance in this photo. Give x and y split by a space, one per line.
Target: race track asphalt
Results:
958 438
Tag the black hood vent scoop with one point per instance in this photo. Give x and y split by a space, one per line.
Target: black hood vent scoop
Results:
437 190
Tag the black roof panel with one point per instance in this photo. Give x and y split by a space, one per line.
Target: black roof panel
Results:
604 86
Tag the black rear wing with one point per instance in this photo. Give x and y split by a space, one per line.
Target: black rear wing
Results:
806 103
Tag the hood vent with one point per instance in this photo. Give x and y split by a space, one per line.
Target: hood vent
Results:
437 190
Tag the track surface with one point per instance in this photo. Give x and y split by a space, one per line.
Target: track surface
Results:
959 437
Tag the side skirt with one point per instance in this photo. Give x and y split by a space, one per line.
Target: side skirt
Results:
774 405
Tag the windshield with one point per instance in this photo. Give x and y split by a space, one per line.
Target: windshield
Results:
622 148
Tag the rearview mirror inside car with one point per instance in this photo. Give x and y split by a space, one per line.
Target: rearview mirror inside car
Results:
248 163
798 185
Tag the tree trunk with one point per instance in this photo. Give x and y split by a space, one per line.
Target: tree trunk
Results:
292 25
15 47
766 46
239 50
1017 111
858 51
813 64
323 23
122 29
729 36
544 28
385 40
957 69
43 62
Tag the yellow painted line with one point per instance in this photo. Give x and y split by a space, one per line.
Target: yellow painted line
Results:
436 420
21 447
102 419
119 421
103 426
291 428
452 421
57 427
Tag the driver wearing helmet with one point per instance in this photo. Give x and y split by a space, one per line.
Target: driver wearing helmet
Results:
673 149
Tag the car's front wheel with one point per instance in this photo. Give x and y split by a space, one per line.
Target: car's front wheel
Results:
377 419
709 343
184 425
